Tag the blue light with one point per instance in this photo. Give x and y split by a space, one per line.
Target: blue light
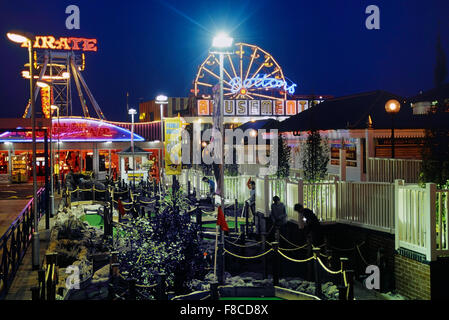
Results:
260 81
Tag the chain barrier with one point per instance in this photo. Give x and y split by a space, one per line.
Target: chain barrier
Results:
295 260
247 258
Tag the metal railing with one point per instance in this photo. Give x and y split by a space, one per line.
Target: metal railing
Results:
15 241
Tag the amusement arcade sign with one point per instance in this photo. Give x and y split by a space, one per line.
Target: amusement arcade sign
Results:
64 43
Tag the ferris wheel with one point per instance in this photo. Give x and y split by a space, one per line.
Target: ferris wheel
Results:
249 72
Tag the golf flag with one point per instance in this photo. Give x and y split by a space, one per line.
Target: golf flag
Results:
248 183
121 209
221 220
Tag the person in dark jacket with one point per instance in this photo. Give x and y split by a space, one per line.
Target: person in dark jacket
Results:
311 224
278 216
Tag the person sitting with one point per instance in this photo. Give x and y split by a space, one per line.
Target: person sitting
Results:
278 216
311 225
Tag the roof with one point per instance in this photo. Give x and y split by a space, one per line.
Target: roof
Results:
259 124
137 150
431 95
353 112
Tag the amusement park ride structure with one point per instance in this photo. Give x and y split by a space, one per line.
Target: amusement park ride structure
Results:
57 66
250 73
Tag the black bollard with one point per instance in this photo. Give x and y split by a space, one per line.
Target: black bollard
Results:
41 279
214 290
161 287
35 293
236 205
246 217
350 279
131 289
342 290
264 259
242 233
316 254
275 264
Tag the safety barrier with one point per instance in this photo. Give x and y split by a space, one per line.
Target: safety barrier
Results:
15 241
48 279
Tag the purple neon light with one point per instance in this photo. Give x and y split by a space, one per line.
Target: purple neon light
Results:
76 129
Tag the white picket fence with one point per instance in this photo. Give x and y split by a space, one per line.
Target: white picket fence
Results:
421 219
417 216
388 170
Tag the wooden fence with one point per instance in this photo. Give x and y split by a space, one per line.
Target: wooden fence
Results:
388 170
421 219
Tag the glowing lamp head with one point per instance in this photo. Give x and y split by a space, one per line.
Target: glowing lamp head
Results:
17 37
222 40
161 99
132 111
54 107
392 106
42 84
253 133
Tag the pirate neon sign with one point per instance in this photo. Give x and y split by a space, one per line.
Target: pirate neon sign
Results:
260 81
63 43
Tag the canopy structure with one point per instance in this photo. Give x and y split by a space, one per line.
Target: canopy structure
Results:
75 129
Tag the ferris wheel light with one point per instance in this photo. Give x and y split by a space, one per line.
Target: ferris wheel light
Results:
222 40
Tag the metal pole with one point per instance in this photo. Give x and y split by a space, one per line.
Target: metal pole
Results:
221 241
132 150
392 136
162 150
35 248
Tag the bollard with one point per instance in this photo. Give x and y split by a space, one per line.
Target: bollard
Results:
214 290
275 264
264 260
342 292
41 279
316 254
142 211
160 288
236 227
330 259
131 289
220 258
35 293
114 270
246 217
350 279
93 192
343 267
242 232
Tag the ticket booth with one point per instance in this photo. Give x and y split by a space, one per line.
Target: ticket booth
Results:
128 172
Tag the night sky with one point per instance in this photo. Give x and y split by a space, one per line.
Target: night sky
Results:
151 47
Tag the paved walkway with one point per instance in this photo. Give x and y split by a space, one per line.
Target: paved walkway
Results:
26 277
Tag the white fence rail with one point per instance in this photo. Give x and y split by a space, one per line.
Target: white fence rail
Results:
388 170
417 216
421 219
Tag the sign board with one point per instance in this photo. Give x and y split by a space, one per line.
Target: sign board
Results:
172 146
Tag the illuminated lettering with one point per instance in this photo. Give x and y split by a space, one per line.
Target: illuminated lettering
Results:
258 81
241 107
229 107
290 107
266 107
64 43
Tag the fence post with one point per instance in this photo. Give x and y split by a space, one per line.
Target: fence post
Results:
316 254
246 216
430 218
397 184
350 279
275 263
214 290
236 227
34 293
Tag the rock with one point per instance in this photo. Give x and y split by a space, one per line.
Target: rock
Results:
101 275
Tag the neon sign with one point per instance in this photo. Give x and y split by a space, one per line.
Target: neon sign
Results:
75 130
260 81
63 43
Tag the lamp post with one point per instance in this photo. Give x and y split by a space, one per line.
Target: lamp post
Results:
162 100
52 159
220 45
20 37
132 112
392 107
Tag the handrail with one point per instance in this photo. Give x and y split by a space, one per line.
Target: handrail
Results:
19 239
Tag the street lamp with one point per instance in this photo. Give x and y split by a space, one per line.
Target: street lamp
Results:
162 100
392 107
220 45
21 37
132 112
54 107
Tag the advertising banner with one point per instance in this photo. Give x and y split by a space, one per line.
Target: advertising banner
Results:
172 146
